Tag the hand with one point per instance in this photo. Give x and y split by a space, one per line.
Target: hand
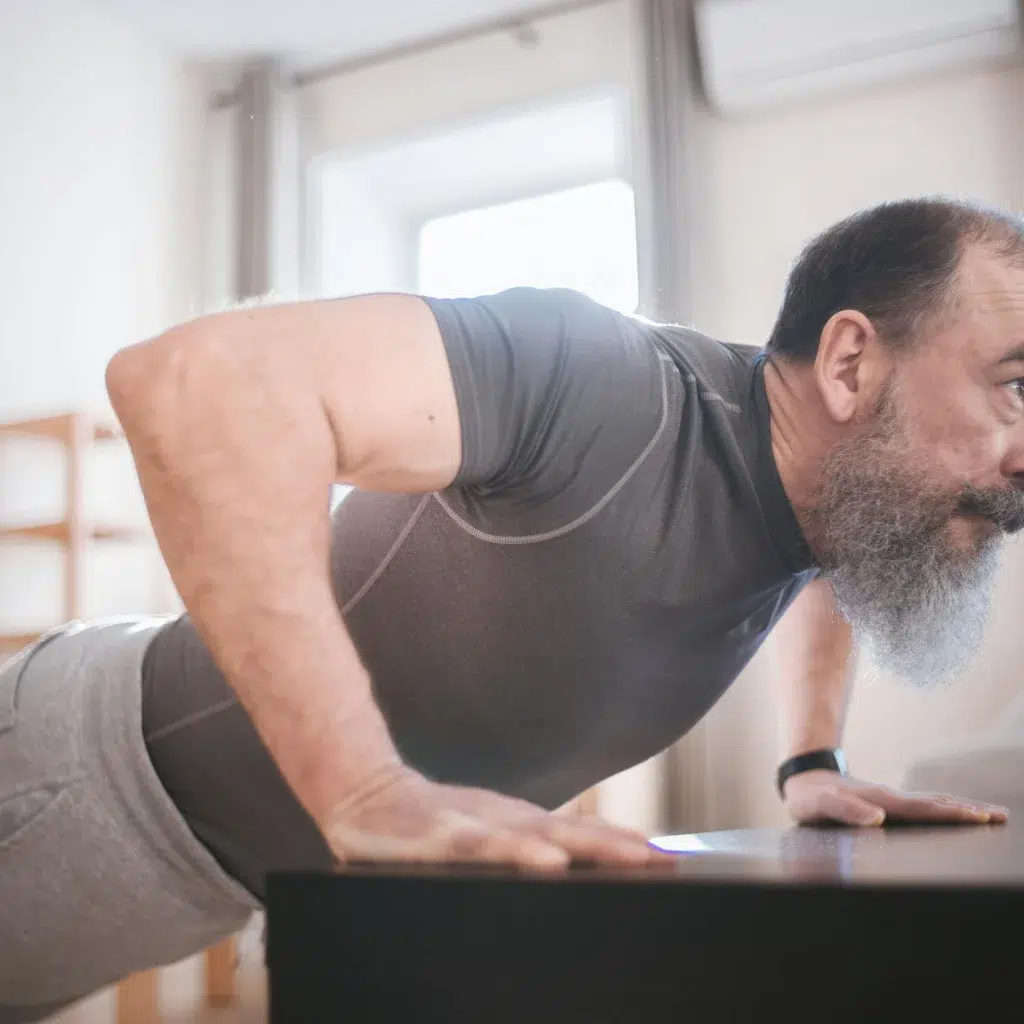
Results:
820 796
402 817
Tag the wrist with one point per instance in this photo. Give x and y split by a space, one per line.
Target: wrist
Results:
368 786
818 732
344 755
829 759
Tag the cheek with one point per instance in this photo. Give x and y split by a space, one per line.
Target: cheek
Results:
955 436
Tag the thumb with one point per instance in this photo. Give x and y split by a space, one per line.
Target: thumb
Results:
848 809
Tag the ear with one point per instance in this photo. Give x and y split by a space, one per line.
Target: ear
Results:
851 366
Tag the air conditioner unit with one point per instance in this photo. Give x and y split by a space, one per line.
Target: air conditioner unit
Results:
760 53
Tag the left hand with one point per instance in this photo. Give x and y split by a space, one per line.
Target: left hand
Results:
824 796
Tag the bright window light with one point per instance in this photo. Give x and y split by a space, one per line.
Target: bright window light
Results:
583 238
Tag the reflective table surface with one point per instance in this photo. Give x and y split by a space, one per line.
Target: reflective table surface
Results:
961 855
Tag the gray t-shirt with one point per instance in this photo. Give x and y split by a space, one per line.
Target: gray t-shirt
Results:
616 547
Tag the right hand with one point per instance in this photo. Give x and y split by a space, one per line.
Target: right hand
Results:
402 817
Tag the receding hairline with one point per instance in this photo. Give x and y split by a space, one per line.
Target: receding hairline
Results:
994 231
983 252
990 234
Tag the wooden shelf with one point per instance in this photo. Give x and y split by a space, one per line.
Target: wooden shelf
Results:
57 428
16 641
60 533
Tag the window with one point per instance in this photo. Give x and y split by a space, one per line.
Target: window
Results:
582 238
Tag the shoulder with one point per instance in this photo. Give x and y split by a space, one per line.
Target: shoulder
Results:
540 316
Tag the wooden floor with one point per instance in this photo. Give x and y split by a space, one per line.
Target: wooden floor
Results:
99 1010
182 995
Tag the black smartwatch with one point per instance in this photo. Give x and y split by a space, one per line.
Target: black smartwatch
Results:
829 760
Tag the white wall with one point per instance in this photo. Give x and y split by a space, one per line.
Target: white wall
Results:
360 243
772 182
99 247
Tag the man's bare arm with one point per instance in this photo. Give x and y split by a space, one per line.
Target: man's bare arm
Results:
815 671
239 424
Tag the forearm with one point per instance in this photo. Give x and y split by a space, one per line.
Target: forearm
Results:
236 466
815 671
816 666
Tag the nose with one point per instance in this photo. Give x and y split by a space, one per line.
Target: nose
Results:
1013 461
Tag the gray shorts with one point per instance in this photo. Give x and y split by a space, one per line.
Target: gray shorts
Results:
99 874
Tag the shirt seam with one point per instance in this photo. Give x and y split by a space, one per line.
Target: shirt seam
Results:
388 558
594 510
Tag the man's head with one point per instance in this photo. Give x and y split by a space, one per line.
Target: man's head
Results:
900 352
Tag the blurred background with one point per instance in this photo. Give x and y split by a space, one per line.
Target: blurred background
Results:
159 161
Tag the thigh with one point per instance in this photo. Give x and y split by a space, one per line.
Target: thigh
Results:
34 775
99 876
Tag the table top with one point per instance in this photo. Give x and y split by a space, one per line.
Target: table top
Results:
975 855
897 854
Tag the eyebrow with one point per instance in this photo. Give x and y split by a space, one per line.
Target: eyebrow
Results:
1015 355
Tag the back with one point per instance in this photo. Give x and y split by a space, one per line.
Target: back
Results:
536 630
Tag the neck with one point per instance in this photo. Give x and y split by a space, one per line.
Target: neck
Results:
801 435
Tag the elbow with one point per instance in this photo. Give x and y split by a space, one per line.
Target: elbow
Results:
125 376
142 380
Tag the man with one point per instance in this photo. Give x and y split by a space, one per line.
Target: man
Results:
571 530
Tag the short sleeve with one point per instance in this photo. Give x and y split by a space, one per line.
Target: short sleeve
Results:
556 393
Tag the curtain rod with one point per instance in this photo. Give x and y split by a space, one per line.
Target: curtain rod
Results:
509 23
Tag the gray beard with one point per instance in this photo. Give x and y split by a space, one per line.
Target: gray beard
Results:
922 623
916 602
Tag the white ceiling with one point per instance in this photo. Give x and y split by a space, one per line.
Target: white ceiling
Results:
334 29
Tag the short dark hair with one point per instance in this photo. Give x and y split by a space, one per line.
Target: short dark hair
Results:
896 263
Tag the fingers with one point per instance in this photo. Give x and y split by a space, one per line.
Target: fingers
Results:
530 843
622 832
937 808
543 843
872 806
598 842
453 838
582 837
997 815
551 843
504 846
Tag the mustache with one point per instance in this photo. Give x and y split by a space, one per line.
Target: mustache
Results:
1004 506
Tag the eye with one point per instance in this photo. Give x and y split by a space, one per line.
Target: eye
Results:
1017 386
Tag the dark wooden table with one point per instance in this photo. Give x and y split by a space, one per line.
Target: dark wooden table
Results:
908 924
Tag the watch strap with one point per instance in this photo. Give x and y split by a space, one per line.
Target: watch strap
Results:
830 759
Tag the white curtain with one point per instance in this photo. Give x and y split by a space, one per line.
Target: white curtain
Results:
667 166
268 184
